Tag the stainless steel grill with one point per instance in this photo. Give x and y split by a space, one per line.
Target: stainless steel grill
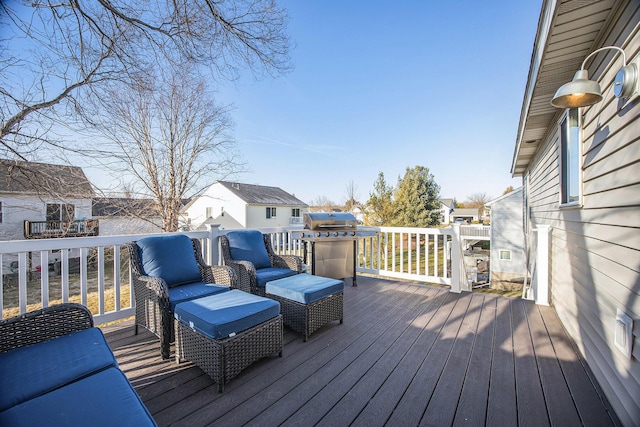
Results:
333 238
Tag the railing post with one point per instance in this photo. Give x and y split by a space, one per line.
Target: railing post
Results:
212 254
458 273
541 277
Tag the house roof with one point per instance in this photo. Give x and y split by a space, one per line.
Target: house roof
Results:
567 32
124 207
466 211
261 194
504 196
447 202
44 179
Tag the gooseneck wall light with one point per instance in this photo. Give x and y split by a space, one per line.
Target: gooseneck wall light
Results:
581 92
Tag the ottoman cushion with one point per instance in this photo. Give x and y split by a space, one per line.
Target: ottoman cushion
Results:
265 275
190 291
305 288
227 313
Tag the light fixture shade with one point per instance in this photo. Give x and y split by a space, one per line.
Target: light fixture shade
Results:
580 92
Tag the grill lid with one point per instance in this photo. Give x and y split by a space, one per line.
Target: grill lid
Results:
329 221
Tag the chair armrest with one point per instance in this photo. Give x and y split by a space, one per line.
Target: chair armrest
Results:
245 273
291 262
44 324
224 275
156 284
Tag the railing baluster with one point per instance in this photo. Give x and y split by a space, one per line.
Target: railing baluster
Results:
83 276
116 277
101 279
44 278
22 281
64 274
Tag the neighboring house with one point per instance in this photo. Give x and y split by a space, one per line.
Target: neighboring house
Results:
507 237
126 216
237 205
465 214
446 209
581 174
40 200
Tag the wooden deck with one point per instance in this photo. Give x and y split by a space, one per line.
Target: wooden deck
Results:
406 355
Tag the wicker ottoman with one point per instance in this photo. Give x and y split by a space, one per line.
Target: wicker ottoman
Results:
225 333
307 302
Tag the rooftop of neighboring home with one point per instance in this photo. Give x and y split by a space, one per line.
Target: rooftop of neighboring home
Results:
31 178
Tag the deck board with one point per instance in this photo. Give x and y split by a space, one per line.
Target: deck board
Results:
406 354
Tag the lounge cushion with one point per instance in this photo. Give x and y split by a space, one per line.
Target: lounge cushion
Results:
30 371
248 245
170 258
190 291
103 399
305 288
221 315
265 275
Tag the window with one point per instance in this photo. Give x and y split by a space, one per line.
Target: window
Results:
570 159
0 212
505 255
271 212
295 212
60 212
209 213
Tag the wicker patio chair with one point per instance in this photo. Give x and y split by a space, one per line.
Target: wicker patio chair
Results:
155 297
261 265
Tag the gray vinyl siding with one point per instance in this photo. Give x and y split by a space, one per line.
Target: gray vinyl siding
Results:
595 249
506 234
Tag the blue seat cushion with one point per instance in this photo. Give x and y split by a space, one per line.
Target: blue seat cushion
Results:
30 371
190 291
221 315
265 275
305 288
103 399
169 257
248 245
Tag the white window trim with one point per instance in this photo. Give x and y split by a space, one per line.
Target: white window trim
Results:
576 203
501 251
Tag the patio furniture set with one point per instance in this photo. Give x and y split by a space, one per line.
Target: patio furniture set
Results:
224 318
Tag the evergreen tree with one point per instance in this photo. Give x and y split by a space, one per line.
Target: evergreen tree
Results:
416 199
379 210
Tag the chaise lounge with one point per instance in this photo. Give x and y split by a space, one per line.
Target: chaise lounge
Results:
57 369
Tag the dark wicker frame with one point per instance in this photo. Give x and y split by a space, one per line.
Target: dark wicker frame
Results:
308 318
153 311
42 325
245 270
223 359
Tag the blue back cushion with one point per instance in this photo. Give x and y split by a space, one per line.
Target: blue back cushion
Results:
170 258
32 370
248 245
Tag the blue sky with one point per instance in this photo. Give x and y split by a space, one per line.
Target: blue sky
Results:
382 86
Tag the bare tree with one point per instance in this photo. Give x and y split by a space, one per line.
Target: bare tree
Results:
479 201
323 203
55 55
168 137
351 190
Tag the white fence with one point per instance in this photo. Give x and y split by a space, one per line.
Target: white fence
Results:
96 267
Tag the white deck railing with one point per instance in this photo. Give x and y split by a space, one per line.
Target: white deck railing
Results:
97 266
